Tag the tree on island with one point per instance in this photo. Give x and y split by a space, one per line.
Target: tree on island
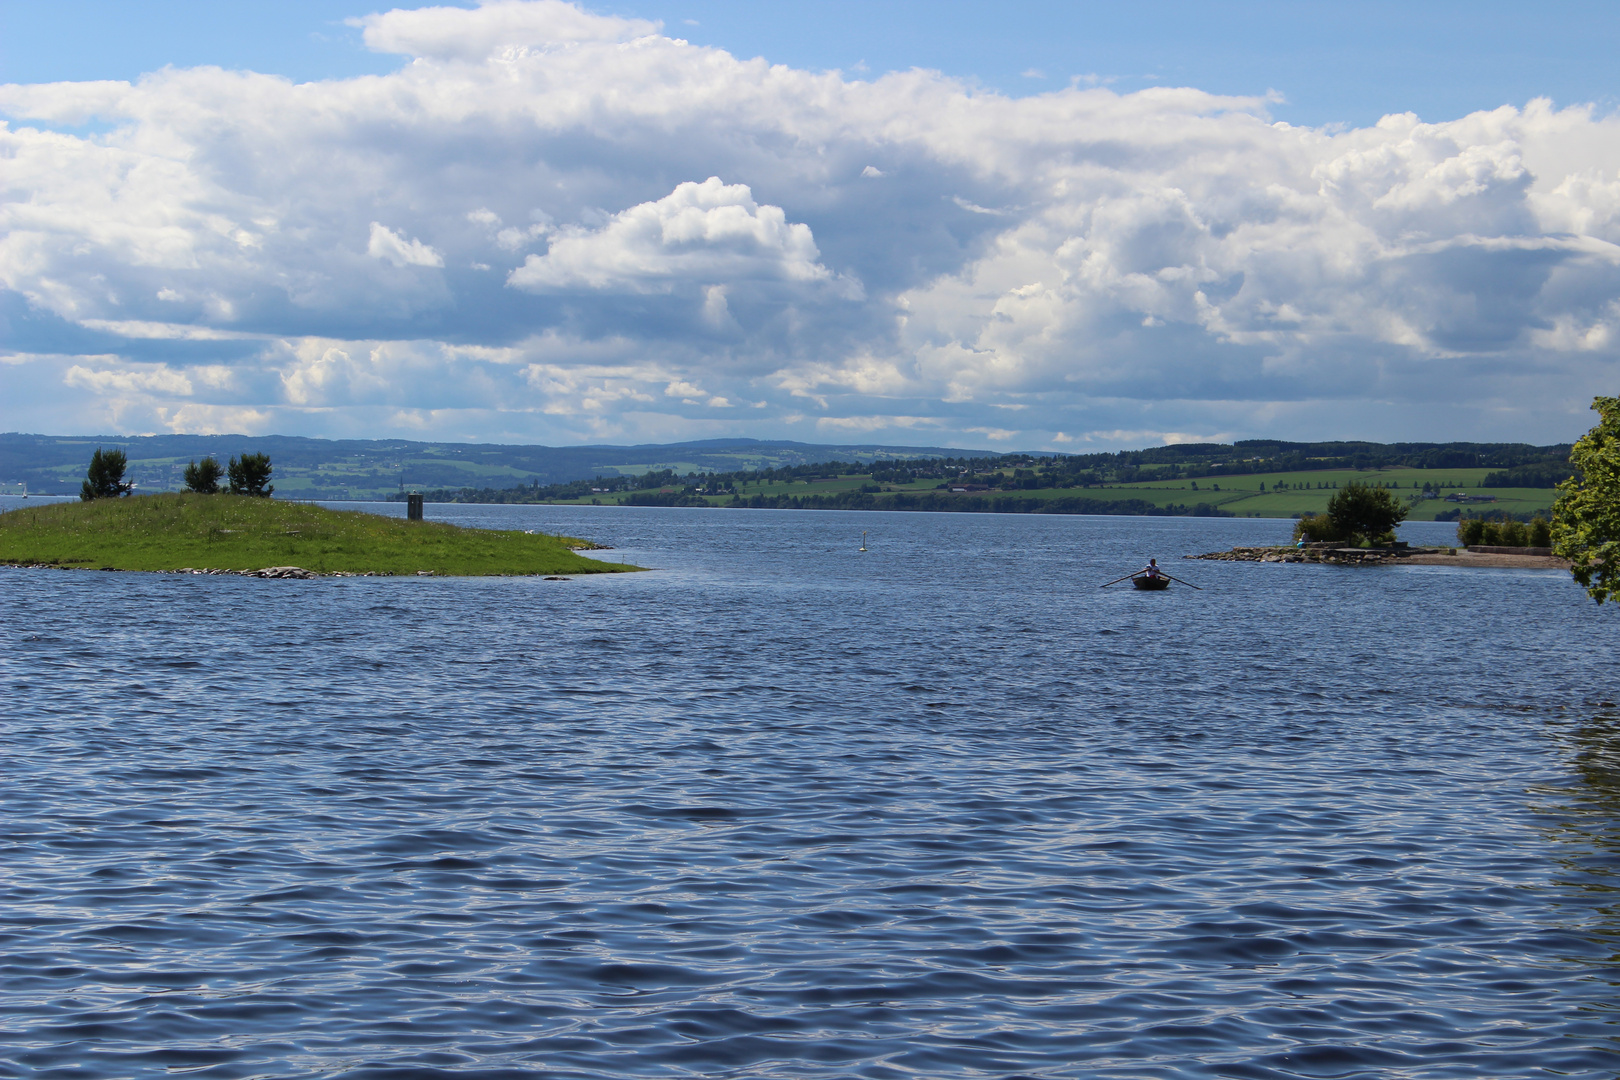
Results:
203 477
105 477
1586 517
250 475
1357 512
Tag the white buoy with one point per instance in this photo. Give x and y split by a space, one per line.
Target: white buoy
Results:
863 539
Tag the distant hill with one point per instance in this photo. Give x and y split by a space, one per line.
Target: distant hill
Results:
376 468
1268 479
1250 456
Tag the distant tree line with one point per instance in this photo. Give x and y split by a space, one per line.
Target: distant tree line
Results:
1505 531
1520 465
535 492
1537 474
936 501
1460 514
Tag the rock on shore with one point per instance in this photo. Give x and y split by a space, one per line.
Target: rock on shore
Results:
1317 553
1332 554
1279 553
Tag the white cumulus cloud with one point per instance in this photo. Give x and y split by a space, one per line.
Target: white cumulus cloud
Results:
387 244
495 27
566 212
698 233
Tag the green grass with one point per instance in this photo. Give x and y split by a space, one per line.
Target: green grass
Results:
226 532
1286 494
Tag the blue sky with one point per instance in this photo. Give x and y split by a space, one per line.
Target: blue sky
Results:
1332 62
1083 225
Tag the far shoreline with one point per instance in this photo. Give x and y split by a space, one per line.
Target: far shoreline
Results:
1486 560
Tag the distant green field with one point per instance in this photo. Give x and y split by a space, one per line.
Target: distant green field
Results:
1283 495
1287 494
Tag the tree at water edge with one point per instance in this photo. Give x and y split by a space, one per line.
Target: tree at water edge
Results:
1586 517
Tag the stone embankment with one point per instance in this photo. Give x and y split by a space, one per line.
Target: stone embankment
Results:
1318 553
295 573
1254 554
1333 554
278 573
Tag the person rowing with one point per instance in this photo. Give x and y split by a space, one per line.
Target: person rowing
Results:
1151 578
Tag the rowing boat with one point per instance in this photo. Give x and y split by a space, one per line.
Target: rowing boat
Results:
1149 582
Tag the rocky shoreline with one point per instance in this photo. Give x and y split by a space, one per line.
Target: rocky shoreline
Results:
1336 555
276 573
1315 553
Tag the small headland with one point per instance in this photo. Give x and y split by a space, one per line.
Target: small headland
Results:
230 534
1340 555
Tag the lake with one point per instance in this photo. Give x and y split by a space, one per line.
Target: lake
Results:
783 808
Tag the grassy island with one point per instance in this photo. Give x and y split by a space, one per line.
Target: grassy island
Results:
226 532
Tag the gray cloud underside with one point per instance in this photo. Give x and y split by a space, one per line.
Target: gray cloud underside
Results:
559 226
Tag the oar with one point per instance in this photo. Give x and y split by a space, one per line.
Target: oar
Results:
1189 584
1117 580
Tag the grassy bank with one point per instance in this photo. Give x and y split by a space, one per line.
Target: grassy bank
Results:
225 532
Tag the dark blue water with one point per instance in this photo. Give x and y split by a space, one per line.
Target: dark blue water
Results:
784 809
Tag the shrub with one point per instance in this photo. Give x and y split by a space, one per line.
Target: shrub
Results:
105 477
250 475
203 477
1361 511
1316 529
1502 529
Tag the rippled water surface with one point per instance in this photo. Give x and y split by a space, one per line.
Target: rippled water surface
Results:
781 808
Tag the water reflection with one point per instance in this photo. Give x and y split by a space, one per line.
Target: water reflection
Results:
1594 750
1587 835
